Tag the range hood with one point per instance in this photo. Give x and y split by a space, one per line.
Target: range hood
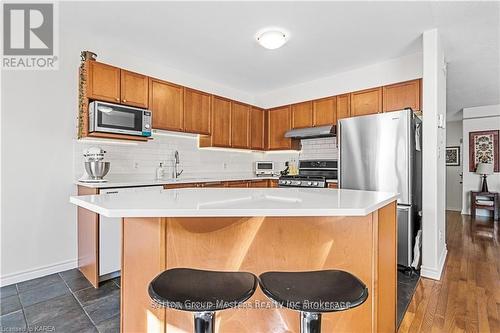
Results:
312 132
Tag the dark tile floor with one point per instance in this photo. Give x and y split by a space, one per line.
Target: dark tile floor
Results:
64 302
406 288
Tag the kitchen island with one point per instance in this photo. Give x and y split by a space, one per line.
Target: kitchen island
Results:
255 230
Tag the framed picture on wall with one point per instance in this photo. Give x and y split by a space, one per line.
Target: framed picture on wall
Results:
453 156
483 148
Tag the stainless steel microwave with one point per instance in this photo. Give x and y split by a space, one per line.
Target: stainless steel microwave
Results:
264 168
121 119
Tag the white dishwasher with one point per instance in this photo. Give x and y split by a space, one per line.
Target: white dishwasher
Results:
110 235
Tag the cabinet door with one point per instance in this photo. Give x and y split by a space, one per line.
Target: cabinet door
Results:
221 122
258 183
134 89
257 128
273 183
366 102
343 106
166 104
240 125
196 111
402 95
103 82
279 123
237 184
325 111
302 115
214 184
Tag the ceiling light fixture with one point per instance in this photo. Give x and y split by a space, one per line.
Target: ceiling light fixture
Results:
272 38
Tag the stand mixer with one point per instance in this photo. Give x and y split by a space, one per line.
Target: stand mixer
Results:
95 167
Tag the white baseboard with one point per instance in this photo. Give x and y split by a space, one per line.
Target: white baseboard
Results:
435 272
34 273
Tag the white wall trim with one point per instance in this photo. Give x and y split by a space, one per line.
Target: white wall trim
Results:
435 272
34 273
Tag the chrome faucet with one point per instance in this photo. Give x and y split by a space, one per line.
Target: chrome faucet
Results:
175 173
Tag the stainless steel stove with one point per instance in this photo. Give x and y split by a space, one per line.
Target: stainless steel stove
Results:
312 173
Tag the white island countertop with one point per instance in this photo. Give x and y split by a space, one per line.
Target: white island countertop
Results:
210 202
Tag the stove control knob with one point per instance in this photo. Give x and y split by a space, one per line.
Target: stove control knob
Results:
315 183
309 183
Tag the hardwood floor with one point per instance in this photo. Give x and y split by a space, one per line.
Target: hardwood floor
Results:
467 299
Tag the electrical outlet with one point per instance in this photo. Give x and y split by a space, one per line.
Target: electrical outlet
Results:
136 165
224 165
440 235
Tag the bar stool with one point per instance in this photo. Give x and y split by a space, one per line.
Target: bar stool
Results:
313 293
202 292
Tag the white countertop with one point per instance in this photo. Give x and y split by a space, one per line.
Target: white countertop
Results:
204 202
131 180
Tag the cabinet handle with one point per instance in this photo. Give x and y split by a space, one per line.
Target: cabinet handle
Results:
124 101
117 99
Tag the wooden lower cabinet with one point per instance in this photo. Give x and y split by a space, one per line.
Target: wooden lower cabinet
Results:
237 184
258 183
272 183
332 185
185 185
214 184
362 245
366 102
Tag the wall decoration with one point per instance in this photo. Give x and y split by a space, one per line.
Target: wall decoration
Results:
484 148
453 156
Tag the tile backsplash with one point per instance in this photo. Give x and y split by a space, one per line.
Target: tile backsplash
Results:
322 148
142 158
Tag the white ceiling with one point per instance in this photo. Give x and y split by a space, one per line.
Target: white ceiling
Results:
216 40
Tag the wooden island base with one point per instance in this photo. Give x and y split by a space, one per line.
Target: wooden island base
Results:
362 245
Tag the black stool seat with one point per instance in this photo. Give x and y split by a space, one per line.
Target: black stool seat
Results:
316 291
201 291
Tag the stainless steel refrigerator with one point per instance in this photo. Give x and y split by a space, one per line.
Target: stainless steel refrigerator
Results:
383 152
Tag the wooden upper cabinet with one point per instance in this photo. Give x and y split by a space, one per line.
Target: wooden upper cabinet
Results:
134 89
240 125
343 106
166 105
302 115
196 111
221 122
257 128
279 122
103 82
402 95
325 111
367 101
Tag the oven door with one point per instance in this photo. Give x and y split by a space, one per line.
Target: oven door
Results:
112 118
